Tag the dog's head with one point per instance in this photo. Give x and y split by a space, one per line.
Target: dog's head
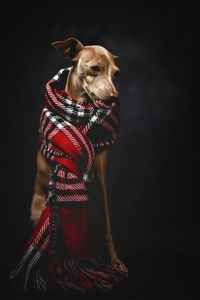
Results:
95 69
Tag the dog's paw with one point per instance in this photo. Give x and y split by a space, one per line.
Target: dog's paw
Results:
118 265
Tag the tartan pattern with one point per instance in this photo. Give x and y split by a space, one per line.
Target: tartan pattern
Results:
83 116
59 253
63 143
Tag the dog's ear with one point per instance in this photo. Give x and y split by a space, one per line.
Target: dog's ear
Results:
70 48
115 57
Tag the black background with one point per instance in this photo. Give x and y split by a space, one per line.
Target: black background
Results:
151 181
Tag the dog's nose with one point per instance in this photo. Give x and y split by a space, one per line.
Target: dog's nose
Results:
112 96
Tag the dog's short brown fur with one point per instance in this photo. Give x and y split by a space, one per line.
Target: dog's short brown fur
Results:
91 76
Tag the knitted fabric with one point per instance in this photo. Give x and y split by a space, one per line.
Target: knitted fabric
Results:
60 252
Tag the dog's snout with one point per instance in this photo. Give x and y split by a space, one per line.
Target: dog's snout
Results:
112 96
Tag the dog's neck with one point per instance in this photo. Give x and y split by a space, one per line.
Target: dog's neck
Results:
74 87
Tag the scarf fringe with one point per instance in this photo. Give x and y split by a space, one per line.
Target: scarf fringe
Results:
76 276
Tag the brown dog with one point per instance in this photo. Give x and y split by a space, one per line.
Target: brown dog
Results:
91 76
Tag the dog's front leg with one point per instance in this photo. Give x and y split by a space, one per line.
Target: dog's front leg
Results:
100 169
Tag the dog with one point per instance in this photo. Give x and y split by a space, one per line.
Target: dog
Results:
90 78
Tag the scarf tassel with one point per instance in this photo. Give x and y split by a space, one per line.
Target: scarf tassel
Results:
77 276
27 274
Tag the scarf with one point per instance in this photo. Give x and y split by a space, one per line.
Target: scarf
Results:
60 251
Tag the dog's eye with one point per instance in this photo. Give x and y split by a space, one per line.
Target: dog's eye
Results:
95 68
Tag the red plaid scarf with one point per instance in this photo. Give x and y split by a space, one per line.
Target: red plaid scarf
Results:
59 254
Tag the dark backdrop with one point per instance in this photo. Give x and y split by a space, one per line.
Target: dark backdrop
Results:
151 182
